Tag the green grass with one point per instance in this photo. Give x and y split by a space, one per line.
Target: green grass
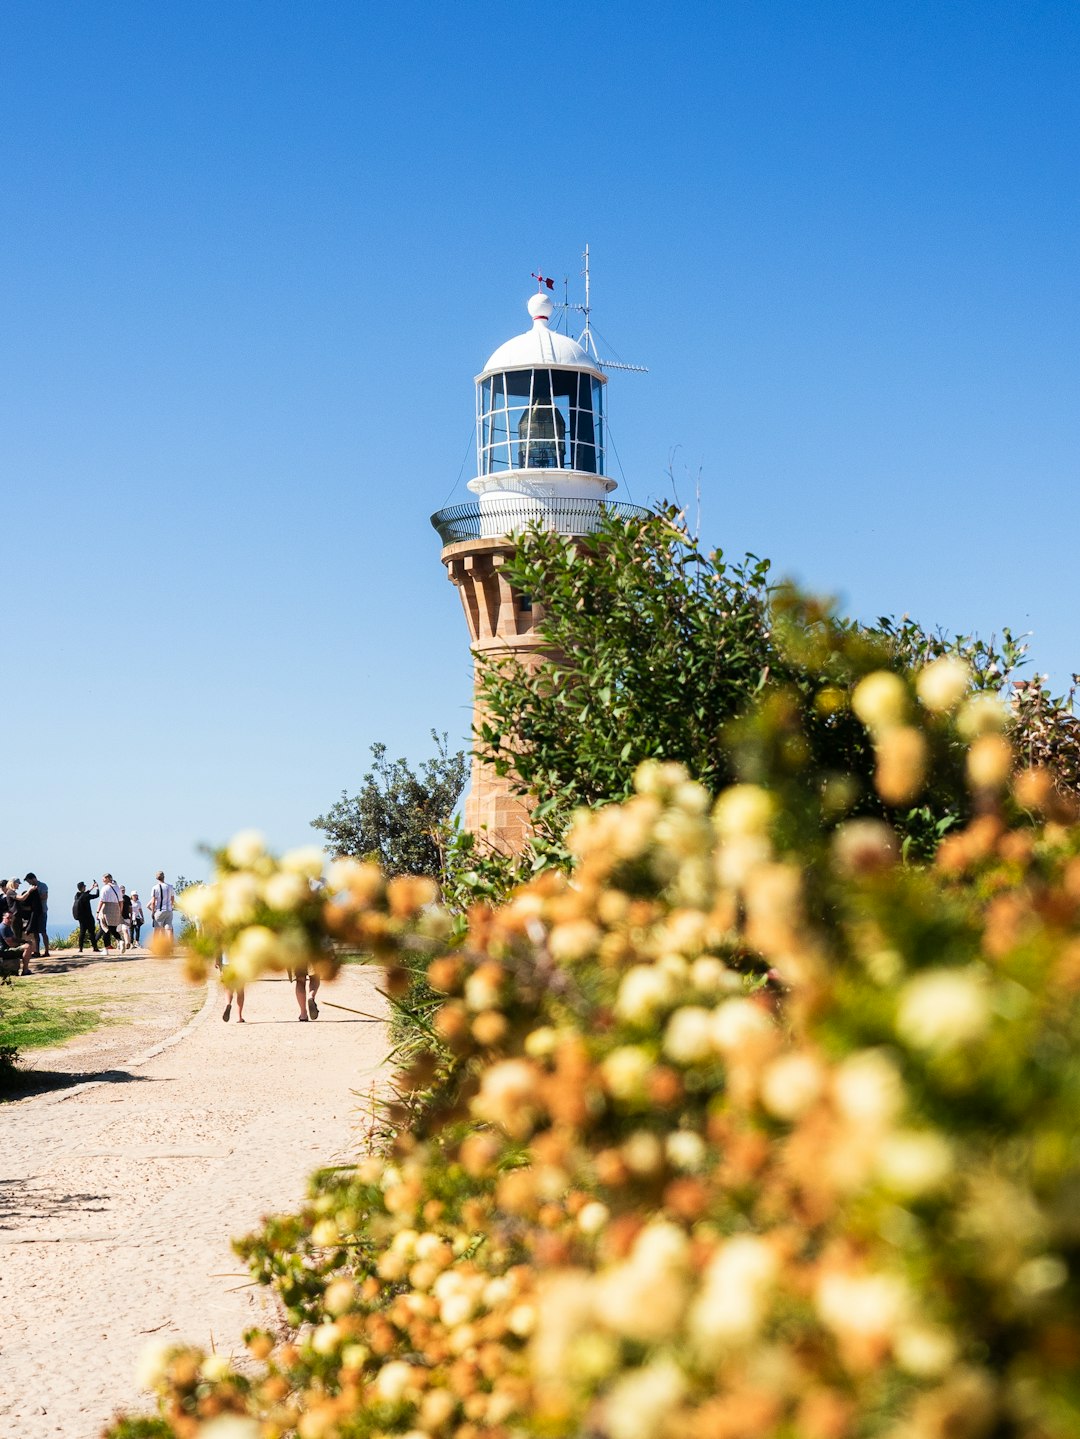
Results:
37 1016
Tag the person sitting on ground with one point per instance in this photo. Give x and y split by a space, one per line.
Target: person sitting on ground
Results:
162 899
109 911
307 987
221 964
30 910
83 915
138 917
10 945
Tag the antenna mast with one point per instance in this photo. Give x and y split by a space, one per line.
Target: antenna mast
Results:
585 339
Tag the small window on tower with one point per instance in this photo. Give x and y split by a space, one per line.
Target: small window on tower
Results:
525 604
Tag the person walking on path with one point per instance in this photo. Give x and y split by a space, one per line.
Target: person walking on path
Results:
307 987
138 917
162 899
31 909
109 911
83 915
221 964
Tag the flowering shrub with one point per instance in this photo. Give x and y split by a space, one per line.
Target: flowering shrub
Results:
743 1128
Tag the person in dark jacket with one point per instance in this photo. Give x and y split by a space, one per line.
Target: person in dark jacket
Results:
82 913
32 912
43 932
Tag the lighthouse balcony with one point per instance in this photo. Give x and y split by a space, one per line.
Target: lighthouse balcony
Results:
507 517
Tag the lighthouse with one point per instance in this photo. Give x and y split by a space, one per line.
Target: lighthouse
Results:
540 462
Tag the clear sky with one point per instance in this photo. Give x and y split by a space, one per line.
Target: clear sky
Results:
253 253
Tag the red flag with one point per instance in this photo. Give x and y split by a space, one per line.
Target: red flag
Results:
543 279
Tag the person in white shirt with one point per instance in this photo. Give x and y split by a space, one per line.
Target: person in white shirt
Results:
109 911
162 899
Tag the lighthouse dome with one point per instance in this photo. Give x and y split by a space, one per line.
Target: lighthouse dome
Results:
541 346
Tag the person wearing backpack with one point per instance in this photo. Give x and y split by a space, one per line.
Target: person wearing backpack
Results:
83 915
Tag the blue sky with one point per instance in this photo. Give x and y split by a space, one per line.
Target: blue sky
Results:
252 254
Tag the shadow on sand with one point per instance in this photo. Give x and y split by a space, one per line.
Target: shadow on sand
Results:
25 1083
69 961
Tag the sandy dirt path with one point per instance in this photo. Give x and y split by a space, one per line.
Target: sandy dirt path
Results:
118 1199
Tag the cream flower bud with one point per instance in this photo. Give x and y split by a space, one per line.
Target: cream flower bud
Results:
482 990
868 1090
230 1426
868 1306
685 1150
710 975
521 1320
943 683
734 1295
506 1096
901 754
863 846
153 1363
245 848
339 1295
791 1084
925 1350
981 714
238 895
285 891
593 1217
688 1037
574 941
255 949
325 1339
625 1070
199 902
307 861
392 1381
214 1368
880 700
942 1008
643 1153
989 762
658 776
639 1403
542 1042
660 1245
644 990
738 1023
914 1162
744 810
362 879
692 797
1041 1275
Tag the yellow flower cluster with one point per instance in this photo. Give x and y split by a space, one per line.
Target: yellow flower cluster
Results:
734 1136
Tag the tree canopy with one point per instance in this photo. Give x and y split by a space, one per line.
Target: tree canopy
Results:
659 649
399 816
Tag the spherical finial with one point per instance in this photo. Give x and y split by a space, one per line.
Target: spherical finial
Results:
540 306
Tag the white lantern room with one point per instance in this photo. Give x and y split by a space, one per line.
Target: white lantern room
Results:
540 439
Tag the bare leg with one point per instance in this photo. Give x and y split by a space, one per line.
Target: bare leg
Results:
313 989
301 996
239 1006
